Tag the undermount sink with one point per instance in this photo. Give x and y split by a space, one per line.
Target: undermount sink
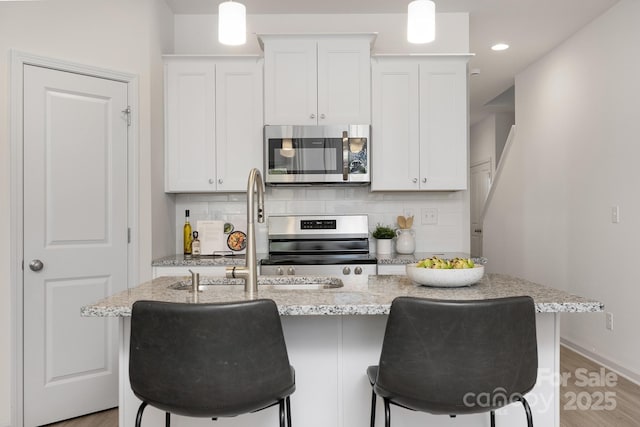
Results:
266 282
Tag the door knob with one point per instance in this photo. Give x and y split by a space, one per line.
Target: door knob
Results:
220 180
312 116
322 116
36 265
424 179
415 180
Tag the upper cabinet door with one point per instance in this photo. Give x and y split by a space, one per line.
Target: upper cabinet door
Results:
189 126
238 122
344 82
395 127
213 119
317 80
444 124
290 75
420 126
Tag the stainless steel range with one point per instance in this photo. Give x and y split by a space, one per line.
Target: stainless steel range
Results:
336 245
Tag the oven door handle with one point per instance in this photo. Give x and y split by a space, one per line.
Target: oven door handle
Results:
345 156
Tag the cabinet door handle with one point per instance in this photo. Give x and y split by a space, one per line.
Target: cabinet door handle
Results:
415 180
211 181
220 181
322 116
424 179
312 116
345 156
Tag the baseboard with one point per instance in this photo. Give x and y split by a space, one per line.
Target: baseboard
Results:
620 370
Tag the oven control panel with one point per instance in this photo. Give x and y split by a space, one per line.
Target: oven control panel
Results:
318 224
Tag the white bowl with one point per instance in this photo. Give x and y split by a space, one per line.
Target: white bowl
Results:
445 278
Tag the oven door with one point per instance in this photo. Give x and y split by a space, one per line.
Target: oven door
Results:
316 154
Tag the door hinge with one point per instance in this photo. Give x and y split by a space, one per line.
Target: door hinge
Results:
127 112
128 235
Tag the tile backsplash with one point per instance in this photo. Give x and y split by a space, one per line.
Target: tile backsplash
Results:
450 234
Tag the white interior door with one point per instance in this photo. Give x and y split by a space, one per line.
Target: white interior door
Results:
75 225
480 185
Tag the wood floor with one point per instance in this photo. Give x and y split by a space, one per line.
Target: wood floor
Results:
589 397
107 418
594 396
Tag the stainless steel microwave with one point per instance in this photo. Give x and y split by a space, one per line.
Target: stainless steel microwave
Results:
317 154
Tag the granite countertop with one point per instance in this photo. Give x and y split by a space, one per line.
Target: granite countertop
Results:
400 259
180 260
221 261
372 298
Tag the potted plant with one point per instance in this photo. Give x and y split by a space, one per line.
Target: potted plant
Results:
383 235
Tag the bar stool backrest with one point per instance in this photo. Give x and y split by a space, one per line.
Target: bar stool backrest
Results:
458 357
209 360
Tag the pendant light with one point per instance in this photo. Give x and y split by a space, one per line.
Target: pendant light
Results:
232 23
421 21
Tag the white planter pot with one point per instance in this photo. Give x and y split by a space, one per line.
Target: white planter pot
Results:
383 246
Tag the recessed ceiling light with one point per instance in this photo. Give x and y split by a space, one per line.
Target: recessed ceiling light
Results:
500 46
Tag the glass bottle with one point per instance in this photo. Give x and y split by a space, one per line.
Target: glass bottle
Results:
195 245
186 234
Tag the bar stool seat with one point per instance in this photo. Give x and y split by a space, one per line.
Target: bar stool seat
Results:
456 357
209 360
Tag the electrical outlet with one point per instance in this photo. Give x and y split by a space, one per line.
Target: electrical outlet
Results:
429 216
615 214
609 321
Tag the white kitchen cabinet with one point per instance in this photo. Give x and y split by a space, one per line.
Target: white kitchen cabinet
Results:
317 80
419 123
213 122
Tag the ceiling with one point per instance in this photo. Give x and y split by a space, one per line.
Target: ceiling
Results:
530 27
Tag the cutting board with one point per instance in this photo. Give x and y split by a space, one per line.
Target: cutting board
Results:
223 237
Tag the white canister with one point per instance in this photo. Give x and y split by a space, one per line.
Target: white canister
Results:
405 242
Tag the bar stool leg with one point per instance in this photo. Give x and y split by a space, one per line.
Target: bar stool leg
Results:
139 414
167 419
527 409
288 405
387 413
493 419
373 408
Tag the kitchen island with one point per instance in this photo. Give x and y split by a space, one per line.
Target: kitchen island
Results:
334 334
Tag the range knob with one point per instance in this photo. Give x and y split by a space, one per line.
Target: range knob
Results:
279 271
358 270
291 271
346 271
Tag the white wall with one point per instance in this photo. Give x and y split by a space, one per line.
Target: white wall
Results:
120 35
197 35
504 121
482 141
162 204
575 156
488 137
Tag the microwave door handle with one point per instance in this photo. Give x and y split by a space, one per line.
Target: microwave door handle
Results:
345 156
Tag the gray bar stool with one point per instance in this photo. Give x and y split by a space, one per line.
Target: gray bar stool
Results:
209 360
456 357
